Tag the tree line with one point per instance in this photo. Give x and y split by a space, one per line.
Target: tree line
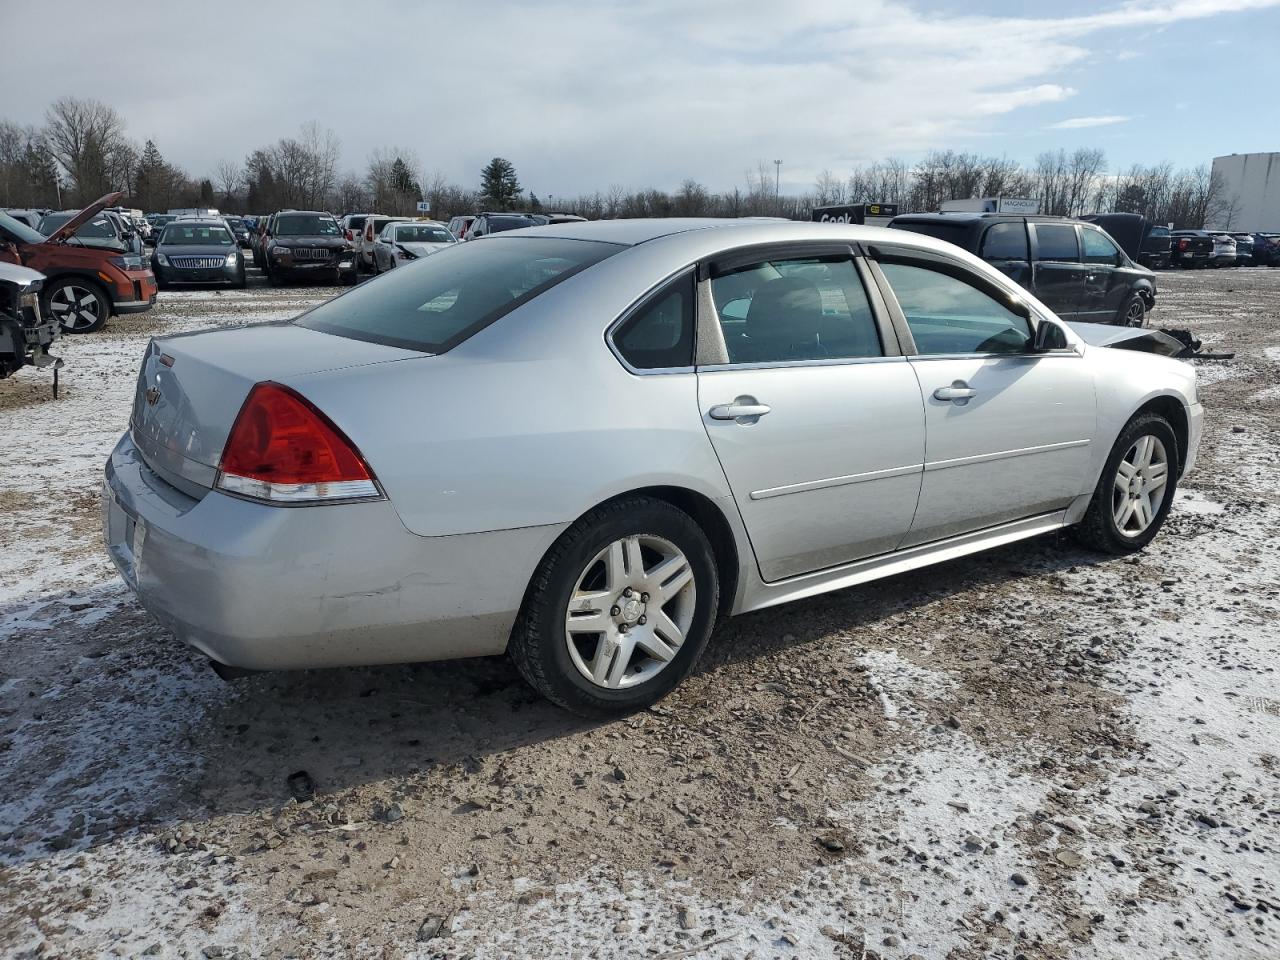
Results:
83 151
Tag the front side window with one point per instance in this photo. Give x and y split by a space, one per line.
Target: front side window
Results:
451 295
1005 241
659 334
1097 248
776 311
1057 241
306 225
946 315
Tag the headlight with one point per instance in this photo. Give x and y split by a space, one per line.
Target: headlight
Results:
231 259
28 301
162 259
280 251
127 263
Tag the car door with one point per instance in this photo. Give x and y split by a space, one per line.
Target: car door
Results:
1057 273
813 412
1008 430
1004 245
1106 283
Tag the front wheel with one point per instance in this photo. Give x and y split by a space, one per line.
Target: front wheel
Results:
619 610
80 306
1136 489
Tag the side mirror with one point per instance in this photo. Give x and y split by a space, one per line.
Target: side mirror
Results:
1049 336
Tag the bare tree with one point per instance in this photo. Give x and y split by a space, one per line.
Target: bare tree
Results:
87 138
229 176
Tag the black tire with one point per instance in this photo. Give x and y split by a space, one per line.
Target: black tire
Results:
538 641
1098 530
242 281
92 316
1133 312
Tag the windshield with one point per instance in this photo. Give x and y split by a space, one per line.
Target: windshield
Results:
235 222
19 230
99 226
413 233
445 298
306 225
195 235
498 224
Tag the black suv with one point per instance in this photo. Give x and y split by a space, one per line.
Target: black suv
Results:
487 223
1074 268
307 243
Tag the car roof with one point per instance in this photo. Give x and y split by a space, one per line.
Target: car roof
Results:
974 216
200 221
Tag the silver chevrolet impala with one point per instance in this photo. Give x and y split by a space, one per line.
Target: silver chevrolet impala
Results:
582 444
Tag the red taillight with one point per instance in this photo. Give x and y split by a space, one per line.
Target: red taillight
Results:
346 234
1182 244
282 449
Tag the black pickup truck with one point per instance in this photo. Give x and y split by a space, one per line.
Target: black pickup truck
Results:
1075 269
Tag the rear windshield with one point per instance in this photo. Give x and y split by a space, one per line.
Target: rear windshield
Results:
498 224
196 236
306 225
1159 231
97 227
413 233
443 299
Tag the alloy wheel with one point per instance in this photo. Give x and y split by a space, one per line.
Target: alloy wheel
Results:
629 611
1140 484
76 307
1136 314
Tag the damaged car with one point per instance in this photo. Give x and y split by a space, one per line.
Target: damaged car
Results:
25 332
621 432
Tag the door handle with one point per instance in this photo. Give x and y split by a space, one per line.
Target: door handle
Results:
743 410
959 391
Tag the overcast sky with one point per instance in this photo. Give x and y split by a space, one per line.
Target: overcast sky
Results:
581 96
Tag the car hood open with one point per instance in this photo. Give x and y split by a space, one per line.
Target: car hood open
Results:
1128 338
84 216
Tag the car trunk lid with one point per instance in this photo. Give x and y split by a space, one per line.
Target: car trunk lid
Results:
191 388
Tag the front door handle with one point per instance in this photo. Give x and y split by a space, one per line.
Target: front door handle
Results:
743 410
959 391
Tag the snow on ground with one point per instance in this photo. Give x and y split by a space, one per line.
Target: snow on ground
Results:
1036 752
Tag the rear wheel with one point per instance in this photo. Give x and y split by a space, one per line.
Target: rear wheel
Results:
79 305
619 610
1136 489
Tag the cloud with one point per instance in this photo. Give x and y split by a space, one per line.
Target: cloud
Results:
586 94
1082 123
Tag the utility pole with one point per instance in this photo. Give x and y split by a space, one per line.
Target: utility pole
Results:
777 178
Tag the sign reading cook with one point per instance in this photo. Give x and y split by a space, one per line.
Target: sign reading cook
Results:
867 214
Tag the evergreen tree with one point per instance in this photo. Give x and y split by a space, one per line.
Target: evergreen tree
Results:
498 184
206 193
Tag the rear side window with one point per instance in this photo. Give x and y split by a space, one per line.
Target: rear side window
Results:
947 315
1005 241
1056 241
443 299
659 334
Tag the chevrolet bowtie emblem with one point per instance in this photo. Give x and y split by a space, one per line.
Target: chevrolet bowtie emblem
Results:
153 396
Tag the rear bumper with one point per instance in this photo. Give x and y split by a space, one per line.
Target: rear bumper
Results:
268 587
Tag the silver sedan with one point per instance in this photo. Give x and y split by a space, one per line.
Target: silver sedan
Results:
583 444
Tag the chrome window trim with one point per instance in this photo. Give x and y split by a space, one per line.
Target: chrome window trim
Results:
1067 352
640 302
783 364
807 485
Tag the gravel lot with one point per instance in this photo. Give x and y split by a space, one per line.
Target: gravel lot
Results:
1037 752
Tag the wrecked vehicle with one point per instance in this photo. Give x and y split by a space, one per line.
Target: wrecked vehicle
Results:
25 332
633 428
1074 268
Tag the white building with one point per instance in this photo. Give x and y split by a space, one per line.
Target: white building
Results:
1251 193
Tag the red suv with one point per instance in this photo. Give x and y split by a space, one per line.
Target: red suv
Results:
85 283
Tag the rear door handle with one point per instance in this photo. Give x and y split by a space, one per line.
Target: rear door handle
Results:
959 391
743 409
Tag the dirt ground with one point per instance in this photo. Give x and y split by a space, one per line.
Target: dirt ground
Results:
1037 752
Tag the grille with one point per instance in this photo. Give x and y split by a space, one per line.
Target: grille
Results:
197 263
310 253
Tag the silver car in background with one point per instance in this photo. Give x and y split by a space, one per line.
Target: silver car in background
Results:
403 241
582 444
